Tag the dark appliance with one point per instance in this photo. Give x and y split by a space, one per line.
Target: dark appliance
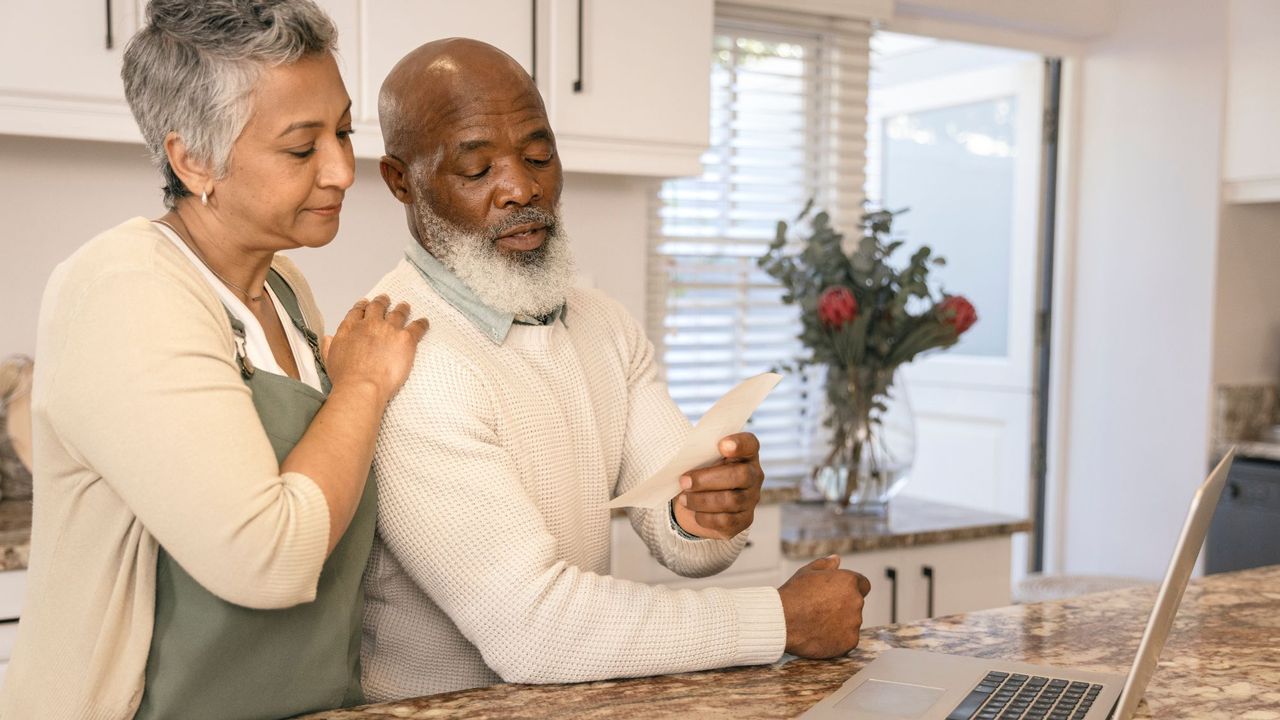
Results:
1245 532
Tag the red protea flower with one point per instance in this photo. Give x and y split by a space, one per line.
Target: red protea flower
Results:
837 307
958 312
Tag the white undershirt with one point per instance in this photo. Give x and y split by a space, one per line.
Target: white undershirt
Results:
256 345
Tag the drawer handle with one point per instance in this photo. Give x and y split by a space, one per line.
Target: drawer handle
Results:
577 84
533 65
110 40
892 575
927 571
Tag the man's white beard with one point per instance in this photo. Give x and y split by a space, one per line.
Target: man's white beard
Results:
522 283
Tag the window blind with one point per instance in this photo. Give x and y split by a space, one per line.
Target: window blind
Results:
788 123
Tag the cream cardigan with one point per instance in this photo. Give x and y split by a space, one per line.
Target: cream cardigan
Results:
145 435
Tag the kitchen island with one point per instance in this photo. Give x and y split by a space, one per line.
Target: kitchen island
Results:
1222 661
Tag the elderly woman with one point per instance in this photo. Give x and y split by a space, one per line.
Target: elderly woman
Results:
203 514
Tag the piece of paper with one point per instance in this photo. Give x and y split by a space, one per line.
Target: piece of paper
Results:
700 449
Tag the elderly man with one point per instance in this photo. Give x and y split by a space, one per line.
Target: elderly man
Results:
531 404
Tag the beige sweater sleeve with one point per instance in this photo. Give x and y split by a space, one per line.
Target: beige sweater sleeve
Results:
146 393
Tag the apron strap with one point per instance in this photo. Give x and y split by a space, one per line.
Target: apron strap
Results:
242 350
290 300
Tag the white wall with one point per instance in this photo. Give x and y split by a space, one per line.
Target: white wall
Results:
56 194
1142 313
1077 19
1247 326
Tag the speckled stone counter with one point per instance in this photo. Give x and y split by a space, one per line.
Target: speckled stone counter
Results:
811 531
1222 661
15 534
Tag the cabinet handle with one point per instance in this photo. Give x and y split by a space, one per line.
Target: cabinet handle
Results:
110 40
927 571
533 66
892 575
577 84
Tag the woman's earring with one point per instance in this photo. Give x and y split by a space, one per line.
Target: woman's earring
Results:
204 198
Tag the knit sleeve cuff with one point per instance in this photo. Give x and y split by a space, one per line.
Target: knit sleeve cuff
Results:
675 525
690 555
762 627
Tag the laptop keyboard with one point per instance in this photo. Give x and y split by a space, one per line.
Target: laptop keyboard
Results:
1005 696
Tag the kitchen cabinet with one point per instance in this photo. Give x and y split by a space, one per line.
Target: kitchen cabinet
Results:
910 584
1251 166
388 29
627 85
13 589
59 76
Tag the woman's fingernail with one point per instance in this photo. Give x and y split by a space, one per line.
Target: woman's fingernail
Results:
686 482
684 500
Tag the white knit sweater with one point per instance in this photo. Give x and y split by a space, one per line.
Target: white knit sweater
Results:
494 465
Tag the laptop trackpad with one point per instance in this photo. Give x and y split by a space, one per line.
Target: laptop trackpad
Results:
890 699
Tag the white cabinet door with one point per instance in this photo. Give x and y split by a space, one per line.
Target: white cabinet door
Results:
1252 162
13 592
632 87
966 576
391 28
58 77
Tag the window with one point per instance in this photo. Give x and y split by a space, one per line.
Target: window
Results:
788 123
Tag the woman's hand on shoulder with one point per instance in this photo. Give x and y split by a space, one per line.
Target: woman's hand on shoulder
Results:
375 343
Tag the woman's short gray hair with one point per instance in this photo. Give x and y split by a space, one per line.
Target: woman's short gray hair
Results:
191 70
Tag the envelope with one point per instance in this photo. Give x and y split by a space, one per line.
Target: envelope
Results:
726 417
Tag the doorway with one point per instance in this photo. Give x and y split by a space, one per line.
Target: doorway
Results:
957 135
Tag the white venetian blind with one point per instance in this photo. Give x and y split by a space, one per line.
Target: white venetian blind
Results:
788 123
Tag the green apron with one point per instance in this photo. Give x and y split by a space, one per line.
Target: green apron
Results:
212 659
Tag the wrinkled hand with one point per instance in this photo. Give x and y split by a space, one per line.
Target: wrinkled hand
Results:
375 344
823 609
720 501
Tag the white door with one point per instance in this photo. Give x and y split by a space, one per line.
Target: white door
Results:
959 144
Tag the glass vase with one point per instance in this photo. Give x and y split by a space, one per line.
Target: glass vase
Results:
873 448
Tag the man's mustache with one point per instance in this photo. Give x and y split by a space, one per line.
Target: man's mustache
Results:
523 216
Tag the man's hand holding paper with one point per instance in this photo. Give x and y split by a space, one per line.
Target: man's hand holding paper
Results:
720 501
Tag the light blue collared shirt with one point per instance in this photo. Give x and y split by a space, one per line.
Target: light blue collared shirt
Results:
495 324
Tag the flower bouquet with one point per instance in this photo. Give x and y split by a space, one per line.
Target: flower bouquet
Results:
862 318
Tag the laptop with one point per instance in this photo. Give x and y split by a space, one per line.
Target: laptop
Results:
916 685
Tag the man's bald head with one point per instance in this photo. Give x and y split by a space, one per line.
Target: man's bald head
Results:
433 84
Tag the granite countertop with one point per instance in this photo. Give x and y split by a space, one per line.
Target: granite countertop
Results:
15 534
1220 662
811 531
